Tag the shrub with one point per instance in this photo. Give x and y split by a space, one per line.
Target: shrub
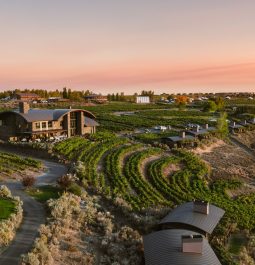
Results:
28 181
75 189
65 181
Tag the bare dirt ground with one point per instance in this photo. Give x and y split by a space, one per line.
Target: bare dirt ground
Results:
146 162
208 149
228 161
171 169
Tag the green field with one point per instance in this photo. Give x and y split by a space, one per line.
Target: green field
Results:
146 116
7 207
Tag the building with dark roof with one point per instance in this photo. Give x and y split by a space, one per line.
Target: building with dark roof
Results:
201 217
27 96
252 121
183 140
38 123
182 236
96 98
178 247
200 132
234 127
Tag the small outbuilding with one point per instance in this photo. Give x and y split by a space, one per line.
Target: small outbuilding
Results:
183 140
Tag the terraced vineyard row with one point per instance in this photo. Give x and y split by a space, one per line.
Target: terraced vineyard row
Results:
148 196
12 163
121 176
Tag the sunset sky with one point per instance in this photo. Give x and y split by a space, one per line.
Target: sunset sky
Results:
128 45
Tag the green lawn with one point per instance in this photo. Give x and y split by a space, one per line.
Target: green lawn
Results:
45 193
7 207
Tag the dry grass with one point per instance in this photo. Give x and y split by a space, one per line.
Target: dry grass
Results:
228 161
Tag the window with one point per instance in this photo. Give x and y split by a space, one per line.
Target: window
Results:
1 123
37 125
44 125
50 124
73 115
73 123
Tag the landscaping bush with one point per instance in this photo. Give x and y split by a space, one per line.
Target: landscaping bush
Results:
75 189
28 181
65 181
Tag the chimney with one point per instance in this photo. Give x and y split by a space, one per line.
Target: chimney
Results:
234 124
183 134
197 128
201 207
192 244
245 122
253 120
24 107
206 126
70 107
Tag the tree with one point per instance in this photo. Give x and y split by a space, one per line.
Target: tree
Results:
65 95
69 93
149 93
211 106
219 101
222 124
182 101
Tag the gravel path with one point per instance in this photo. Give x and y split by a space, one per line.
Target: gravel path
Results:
33 215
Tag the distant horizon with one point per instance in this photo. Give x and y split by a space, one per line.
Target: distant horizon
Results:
130 94
172 46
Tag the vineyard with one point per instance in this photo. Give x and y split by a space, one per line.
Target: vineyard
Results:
10 163
146 116
113 166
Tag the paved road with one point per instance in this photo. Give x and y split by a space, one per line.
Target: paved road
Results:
33 215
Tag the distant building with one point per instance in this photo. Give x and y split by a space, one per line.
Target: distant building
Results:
236 128
142 99
96 98
57 99
27 96
183 140
44 123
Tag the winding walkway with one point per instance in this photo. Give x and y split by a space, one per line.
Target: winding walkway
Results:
33 214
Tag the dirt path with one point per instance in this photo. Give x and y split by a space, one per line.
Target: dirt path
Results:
245 148
33 215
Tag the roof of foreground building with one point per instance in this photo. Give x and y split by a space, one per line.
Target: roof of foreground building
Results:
185 215
165 248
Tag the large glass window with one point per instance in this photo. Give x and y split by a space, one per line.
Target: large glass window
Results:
50 124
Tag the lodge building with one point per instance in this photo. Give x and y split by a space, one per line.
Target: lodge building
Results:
44 123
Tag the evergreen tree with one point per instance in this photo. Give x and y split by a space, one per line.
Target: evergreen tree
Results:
65 95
